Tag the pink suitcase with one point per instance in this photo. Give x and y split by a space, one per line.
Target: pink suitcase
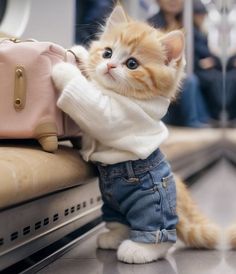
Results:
27 94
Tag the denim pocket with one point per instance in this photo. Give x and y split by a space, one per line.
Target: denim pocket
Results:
168 184
143 181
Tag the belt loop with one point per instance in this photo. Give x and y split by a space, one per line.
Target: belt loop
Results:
130 170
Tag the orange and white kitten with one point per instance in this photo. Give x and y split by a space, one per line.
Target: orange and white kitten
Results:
160 63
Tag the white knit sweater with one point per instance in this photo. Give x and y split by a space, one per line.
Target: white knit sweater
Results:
116 128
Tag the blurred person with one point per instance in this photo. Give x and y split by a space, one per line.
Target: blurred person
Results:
189 107
3 4
207 66
230 98
90 16
169 16
230 92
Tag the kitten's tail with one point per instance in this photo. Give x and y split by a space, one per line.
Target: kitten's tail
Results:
194 229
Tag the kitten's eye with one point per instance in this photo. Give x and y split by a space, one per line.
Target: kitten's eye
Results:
132 63
107 53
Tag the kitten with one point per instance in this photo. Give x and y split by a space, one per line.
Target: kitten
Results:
146 68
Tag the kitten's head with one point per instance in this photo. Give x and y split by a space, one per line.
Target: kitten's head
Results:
136 60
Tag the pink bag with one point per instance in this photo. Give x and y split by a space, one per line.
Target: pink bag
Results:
27 94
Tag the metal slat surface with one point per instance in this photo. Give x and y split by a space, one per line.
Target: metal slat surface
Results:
32 226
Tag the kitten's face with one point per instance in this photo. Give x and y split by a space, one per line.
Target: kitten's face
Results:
130 59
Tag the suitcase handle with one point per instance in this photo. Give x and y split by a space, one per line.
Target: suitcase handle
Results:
16 40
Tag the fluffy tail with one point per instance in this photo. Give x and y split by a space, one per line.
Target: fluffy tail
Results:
194 229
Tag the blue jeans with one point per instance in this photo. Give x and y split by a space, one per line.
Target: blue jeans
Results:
142 195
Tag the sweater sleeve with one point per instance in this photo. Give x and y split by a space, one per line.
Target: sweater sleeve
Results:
97 114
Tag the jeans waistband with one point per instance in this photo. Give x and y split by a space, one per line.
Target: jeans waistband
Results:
136 167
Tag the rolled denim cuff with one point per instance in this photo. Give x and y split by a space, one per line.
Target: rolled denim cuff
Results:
159 236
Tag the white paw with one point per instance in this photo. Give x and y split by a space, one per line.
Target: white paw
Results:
81 53
140 253
63 73
113 238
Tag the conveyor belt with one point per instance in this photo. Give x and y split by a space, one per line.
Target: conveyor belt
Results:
215 193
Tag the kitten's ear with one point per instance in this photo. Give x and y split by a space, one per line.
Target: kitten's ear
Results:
174 44
117 16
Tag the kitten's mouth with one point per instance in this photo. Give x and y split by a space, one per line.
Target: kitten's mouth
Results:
109 75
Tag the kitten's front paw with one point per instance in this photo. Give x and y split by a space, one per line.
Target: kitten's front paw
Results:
63 73
81 53
139 253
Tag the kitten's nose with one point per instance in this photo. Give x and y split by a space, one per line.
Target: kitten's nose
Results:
110 66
